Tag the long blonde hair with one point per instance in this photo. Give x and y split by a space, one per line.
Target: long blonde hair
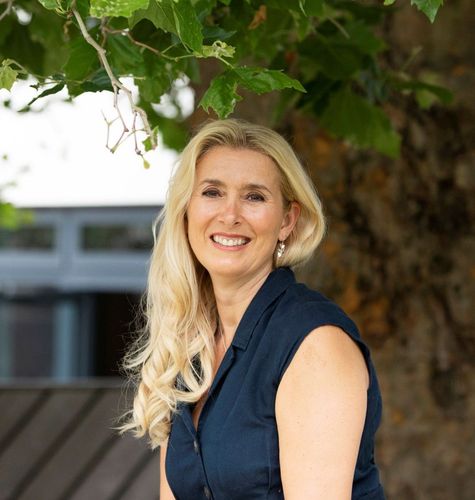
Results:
172 359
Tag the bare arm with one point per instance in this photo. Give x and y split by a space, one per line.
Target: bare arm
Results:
165 491
320 412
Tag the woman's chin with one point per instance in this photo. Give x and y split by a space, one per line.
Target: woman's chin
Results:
227 269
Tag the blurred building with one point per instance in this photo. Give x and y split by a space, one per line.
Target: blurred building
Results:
70 288
70 284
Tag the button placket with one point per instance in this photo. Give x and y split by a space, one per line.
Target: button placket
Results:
196 446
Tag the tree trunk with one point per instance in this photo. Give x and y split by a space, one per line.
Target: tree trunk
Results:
399 258
399 255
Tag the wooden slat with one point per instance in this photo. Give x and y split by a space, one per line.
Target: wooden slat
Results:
20 459
146 482
108 475
66 466
14 407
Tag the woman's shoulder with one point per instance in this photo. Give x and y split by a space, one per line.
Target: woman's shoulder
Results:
300 311
302 305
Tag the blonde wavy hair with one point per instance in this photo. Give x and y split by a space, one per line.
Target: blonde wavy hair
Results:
172 359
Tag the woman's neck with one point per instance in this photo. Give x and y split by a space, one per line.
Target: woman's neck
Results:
233 297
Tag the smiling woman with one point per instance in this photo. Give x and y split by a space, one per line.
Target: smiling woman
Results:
254 385
236 214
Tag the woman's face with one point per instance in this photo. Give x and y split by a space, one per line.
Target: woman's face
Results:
236 213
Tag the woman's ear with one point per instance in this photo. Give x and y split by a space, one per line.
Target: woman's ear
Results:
290 220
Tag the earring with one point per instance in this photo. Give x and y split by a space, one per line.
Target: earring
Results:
280 249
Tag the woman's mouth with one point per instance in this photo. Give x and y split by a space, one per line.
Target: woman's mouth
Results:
229 242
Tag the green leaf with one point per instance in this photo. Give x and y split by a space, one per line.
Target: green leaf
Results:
187 24
429 7
335 57
50 4
211 33
99 81
7 75
81 60
60 6
18 45
303 25
313 7
147 143
422 89
174 134
159 76
103 8
357 120
362 38
83 7
219 49
46 28
53 90
12 217
126 57
427 94
173 17
261 80
154 13
221 95
6 26
370 12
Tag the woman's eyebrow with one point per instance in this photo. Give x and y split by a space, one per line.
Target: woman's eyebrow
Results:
217 182
257 186
251 185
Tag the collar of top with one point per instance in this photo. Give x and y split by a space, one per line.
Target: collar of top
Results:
275 284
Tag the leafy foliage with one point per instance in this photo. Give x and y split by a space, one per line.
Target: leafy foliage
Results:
349 115
429 7
11 217
125 8
7 75
222 95
321 55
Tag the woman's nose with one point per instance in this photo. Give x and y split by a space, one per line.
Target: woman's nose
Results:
230 210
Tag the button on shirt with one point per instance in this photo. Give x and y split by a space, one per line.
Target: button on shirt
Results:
234 453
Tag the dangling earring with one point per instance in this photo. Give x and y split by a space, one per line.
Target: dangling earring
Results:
280 249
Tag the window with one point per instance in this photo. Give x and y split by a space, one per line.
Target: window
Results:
116 237
43 336
62 336
28 238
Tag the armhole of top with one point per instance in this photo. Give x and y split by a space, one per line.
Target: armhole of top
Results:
363 348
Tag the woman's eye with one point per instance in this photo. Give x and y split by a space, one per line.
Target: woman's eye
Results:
211 193
255 197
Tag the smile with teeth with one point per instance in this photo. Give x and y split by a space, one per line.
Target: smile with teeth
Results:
229 242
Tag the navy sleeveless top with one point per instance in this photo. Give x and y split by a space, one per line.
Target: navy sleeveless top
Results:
234 454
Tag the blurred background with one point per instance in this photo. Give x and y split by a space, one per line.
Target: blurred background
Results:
71 277
399 258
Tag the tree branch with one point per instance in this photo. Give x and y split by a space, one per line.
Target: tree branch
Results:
106 29
117 85
8 8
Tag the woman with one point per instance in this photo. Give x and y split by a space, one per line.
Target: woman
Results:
253 385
